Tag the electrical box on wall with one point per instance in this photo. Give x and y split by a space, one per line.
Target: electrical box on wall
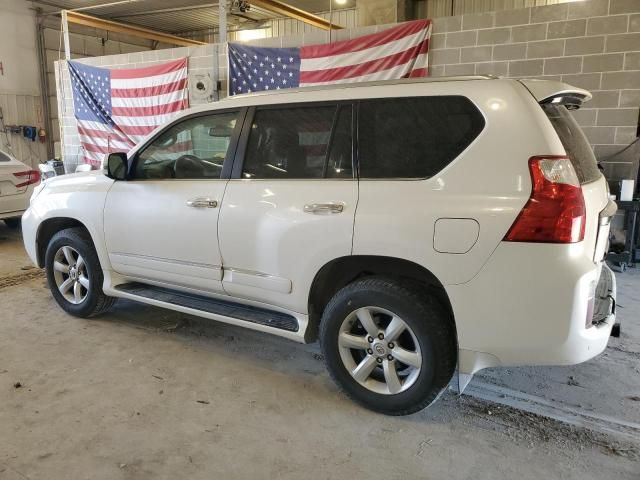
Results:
200 87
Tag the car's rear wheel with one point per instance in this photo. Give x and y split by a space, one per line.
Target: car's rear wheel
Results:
388 345
74 273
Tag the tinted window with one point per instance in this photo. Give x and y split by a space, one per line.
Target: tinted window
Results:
4 157
300 142
574 142
414 137
191 149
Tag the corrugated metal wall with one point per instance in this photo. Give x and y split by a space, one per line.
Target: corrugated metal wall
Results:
281 27
22 110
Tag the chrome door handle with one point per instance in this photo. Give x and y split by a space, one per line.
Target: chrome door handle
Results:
324 208
202 203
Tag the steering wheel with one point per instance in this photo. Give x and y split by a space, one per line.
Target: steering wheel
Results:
188 166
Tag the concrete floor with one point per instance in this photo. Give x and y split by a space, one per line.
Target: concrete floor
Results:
144 393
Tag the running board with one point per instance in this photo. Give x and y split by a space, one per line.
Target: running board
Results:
247 313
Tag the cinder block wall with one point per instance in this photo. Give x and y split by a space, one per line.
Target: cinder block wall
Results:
594 45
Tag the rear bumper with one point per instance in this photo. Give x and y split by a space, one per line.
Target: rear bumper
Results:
604 312
529 306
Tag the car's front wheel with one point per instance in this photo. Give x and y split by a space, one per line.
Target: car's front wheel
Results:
388 345
74 273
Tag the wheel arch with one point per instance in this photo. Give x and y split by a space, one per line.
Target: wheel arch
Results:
48 228
339 272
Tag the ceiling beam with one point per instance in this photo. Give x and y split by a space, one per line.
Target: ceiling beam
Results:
111 26
187 8
286 10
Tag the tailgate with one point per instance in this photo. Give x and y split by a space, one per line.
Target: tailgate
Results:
556 99
600 210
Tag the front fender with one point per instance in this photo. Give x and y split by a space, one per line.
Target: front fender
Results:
77 198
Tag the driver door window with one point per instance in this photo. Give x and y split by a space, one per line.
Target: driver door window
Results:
192 149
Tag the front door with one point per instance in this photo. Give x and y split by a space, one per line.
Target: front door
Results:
162 224
289 207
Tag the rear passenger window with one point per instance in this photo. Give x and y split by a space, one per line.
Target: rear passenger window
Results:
300 142
414 137
574 142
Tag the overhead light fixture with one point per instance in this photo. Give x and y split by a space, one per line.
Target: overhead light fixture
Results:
242 6
341 2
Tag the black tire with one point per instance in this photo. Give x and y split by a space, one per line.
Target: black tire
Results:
96 302
13 223
424 315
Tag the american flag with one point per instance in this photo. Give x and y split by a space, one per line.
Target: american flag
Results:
116 108
397 52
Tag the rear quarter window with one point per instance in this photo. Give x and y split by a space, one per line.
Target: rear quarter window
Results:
4 157
574 142
414 137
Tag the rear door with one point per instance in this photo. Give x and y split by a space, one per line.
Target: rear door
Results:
289 207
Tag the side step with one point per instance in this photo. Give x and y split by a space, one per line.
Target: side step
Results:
247 313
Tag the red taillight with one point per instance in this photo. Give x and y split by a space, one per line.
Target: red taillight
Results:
30 176
555 211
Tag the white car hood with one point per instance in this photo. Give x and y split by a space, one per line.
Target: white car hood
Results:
94 180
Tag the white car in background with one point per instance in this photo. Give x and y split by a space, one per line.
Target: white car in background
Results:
17 182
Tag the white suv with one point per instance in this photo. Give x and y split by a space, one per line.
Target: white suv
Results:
412 226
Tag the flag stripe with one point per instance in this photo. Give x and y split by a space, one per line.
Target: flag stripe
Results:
144 121
137 130
154 70
146 82
366 41
115 145
152 91
369 54
399 71
92 147
92 133
418 72
150 111
149 101
365 68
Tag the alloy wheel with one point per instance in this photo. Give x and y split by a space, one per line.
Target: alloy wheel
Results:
379 350
70 274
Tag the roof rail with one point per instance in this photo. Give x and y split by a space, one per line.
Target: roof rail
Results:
338 86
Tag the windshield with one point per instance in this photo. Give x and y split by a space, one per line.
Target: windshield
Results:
574 142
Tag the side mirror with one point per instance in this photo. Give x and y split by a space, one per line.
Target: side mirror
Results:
117 166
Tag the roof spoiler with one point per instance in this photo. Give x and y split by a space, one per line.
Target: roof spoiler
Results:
551 91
